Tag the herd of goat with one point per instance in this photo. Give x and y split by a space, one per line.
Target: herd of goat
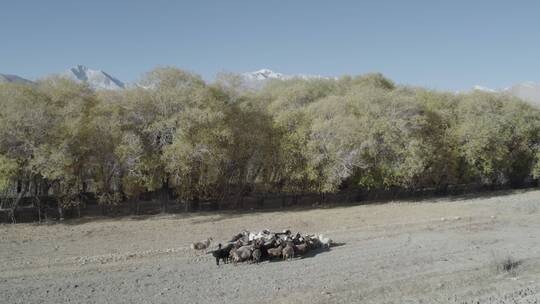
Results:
264 245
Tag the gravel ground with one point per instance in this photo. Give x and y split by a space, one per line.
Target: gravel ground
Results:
448 250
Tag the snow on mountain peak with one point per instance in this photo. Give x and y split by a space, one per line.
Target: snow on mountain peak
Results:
80 72
266 74
263 74
483 89
96 79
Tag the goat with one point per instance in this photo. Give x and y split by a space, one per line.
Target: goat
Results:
288 251
236 237
325 242
241 254
265 246
313 243
275 252
256 255
283 235
301 248
222 253
201 245
298 239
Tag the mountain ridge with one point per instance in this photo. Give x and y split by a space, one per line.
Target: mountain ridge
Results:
100 80
9 78
96 79
267 74
528 91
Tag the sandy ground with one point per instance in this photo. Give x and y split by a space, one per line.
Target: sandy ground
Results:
435 251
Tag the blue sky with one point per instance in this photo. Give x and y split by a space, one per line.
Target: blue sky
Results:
449 45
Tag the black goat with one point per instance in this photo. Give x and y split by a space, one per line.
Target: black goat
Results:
222 253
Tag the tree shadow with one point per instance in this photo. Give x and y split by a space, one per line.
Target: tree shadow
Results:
143 217
220 215
213 216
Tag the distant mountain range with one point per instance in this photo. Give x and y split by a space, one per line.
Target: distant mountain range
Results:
259 78
266 74
13 78
97 79
528 91
100 80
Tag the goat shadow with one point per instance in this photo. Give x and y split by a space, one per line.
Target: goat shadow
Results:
310 254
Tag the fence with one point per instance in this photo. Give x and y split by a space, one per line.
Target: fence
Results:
157 202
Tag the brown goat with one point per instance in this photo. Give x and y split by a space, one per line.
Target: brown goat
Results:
288 251
241 254
256 255
301 249
275 252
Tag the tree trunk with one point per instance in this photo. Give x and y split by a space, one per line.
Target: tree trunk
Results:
131 207
164 197
240 201
192 205
23 189
260 203
38 206
197 204
60 212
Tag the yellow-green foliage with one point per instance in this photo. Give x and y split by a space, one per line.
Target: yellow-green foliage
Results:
208 141
8 171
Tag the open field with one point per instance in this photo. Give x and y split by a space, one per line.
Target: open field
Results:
449 250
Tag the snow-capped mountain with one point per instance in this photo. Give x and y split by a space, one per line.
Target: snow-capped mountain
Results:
483 89
257 79
97 79
263 74
266 74
100 80
528 91
4 78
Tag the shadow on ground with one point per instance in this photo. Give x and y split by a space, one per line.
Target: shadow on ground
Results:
310 254
202 217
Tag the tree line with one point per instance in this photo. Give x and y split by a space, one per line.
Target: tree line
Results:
223 140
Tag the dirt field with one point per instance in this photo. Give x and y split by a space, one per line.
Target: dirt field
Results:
435 251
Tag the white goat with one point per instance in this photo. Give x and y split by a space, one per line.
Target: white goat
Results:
201 245
325 241
264 234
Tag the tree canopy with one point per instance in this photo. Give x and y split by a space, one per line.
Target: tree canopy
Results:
214 140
